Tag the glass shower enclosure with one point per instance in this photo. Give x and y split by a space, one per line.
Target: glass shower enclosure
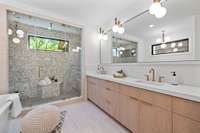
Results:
44 59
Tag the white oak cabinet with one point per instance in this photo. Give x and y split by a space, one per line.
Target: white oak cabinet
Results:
143 111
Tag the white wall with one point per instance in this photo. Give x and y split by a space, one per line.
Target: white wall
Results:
188 74
91 44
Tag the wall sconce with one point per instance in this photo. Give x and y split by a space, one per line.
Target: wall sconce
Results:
118 27
102 35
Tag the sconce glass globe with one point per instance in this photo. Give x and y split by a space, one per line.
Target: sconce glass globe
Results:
100 36
161 12
105 37
155 8
121 30
115 28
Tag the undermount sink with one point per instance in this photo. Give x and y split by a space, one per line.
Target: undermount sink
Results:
150 82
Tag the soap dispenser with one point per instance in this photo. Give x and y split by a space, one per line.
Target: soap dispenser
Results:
174 79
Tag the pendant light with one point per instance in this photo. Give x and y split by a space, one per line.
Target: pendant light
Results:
157 9
163 40
16 40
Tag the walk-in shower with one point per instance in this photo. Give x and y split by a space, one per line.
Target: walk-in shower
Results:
44 59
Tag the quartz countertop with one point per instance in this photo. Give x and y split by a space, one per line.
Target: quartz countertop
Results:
182 91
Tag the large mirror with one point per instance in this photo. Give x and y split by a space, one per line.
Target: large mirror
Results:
175 37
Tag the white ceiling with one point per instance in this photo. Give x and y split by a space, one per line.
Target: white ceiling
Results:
91 12
179 13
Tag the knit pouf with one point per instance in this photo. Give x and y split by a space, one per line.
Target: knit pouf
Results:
41 120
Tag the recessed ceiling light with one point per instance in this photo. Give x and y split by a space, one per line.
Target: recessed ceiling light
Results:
151 26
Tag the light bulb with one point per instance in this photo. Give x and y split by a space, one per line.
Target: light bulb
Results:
175 49
154 8
121 30
161 12
115 28
16 40
180 44
10 32
158 40
173 45
105 37
167 39
20 33
163 46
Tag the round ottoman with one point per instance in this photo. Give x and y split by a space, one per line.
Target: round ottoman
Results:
41 120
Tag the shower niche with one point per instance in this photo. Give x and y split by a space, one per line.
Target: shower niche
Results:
44 59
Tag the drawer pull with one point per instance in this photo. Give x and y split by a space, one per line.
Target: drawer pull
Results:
133 98
149 104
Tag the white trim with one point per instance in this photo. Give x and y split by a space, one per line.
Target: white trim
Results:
186 62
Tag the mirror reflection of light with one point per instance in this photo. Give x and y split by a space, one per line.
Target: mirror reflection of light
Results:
158 40
167 39
163 46
122 48
173 45
175 49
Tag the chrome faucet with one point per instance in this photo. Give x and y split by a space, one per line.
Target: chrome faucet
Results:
152 73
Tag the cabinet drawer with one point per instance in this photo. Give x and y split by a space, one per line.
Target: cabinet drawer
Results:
187 108
185 125
129 91
109 85
156 99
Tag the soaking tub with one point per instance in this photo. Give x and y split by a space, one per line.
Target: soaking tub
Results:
4 113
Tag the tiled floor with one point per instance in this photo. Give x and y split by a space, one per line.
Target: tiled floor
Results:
84 117
87 118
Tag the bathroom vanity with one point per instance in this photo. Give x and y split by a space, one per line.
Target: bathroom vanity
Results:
144 107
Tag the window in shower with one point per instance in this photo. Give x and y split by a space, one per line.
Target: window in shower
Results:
47 44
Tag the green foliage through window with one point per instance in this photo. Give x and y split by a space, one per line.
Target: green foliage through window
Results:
47 44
